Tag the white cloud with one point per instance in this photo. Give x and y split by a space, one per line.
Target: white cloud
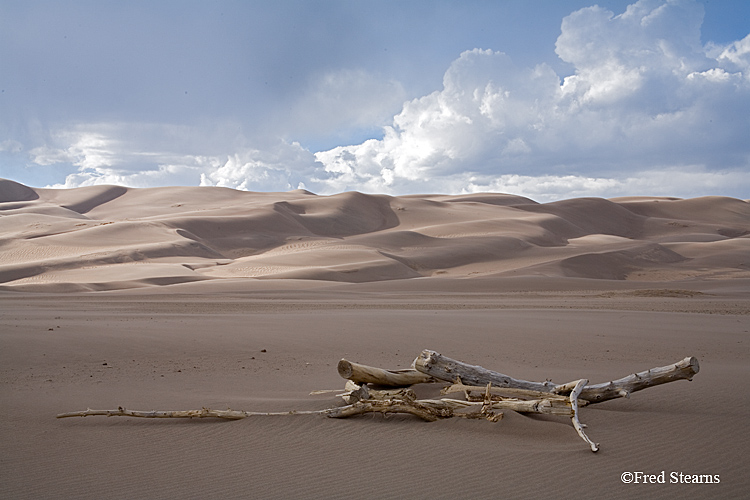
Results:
277 167
119 153
159 176
485 101
87 150
737 56
685 182
143 155
645 97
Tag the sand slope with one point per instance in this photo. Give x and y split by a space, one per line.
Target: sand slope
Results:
111 237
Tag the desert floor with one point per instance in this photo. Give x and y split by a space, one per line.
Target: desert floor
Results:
182 350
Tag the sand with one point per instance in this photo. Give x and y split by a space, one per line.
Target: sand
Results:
179 298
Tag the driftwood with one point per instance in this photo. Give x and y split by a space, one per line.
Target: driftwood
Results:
202 413
577 423
447 369
541 402
499 392
391 394
363 374
359 392
429 410
365 400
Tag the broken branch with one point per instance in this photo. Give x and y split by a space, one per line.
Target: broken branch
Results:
574 406
444 368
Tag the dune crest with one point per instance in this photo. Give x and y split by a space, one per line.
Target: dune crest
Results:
111 237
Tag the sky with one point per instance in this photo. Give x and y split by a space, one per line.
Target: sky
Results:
547 99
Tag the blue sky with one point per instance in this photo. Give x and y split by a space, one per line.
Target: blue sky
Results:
547 99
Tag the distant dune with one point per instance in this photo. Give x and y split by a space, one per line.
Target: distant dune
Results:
111 237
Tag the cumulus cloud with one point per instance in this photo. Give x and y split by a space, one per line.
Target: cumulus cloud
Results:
486 100
277 167
645 96
735 55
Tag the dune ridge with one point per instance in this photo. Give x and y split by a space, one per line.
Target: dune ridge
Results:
112 237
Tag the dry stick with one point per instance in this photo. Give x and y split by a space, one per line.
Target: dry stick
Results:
506 392
358 392
426 410
444 368
577 423
550 404
363 374
428 413
202 413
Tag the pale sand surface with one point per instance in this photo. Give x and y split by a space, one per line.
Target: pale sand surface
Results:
166 299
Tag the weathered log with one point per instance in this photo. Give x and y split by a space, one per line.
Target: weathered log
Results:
622 388
444 368
363 374
447 369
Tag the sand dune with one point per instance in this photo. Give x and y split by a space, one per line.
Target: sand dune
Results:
222 298
108 237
